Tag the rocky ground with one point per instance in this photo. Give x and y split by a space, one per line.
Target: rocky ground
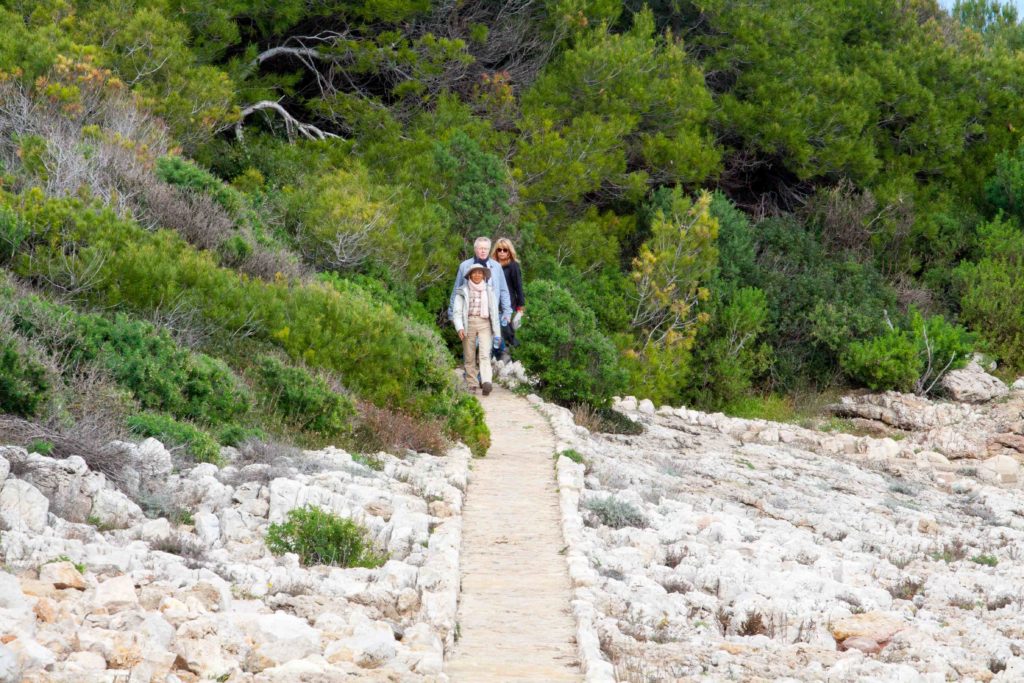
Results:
716 548
97 590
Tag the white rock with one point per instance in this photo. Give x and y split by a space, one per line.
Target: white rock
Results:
281 637
646 407
116 594
22 506
83 662
972 384
152 460
5 468
113 509
207 527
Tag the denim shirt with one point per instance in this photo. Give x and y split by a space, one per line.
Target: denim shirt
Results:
497 281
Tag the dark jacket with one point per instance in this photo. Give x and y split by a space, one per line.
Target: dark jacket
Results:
514 280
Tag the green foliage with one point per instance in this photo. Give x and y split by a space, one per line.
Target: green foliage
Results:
563 348
616 513
319 537
185 174
476 185
158 372
573 455
235 434
992 290
40 446
911 358
987 560
768 407
466 419
24 381
198 443
304 399
340 328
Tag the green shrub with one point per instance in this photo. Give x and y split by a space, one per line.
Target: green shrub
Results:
13 232
563 348
466 419
181 172
40 446
159 373
305 400
992 291
24 384
234 434
616 513
320 537
987 560
913 359
199 444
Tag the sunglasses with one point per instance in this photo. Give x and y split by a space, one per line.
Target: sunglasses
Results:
500 249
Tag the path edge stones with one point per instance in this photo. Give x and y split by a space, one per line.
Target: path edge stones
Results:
595 668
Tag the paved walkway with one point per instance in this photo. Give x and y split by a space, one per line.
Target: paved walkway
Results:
514 618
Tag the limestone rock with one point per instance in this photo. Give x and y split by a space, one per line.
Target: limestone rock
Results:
972 384
62 575
115 510
115 594
22 506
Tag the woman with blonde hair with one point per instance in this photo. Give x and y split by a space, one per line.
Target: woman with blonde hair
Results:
505 253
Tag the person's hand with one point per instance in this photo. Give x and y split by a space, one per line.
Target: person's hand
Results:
504 321
462 334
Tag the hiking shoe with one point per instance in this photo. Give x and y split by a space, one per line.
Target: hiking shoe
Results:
487 388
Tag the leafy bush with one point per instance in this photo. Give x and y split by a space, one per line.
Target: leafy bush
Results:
467 420
913 359
199 444
320 537
563 348
234 434
304 399
992 290
24 384
158 372
616 513
181 172
40 446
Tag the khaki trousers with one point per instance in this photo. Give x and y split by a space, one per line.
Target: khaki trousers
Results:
477 328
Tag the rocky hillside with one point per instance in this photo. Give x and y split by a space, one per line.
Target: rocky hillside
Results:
724 549
191 592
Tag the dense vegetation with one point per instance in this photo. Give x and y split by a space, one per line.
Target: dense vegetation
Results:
236 220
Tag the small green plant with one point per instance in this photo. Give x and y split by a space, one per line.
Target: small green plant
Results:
371 461
40 446
746 463
183 516
616 513
320 537
987 560
906 588
79 566
100 525
573 455
951 552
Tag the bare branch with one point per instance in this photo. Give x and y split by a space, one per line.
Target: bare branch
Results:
292 124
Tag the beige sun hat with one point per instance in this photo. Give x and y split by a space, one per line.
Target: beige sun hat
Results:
477 266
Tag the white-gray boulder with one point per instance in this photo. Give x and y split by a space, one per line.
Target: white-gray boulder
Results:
972 384
23 506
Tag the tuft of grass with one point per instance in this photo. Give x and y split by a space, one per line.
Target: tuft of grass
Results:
40 446
906 588
987 560
951 552
573 455
79 566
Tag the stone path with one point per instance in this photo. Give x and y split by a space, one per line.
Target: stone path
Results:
514 618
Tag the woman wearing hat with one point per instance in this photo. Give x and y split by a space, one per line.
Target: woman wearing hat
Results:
475 314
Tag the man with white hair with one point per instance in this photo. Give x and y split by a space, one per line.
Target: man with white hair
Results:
481 255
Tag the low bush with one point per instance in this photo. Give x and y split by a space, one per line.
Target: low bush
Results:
616 513
305 400
320 537
466 421
911 358
159 373
24 384
199 444
563 348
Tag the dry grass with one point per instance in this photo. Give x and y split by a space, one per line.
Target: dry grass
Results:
384 429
